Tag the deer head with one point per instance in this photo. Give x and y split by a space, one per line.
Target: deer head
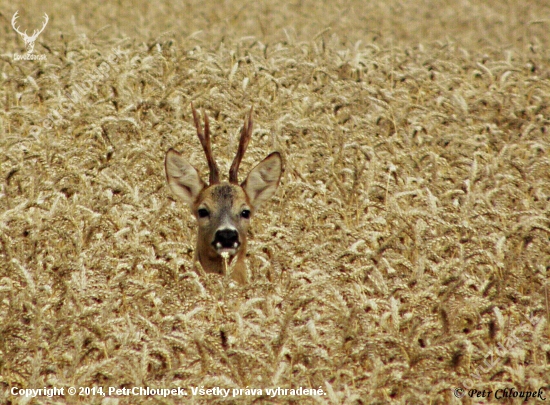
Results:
223 209
29 41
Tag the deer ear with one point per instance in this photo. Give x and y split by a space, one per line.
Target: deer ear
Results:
263 180
184 180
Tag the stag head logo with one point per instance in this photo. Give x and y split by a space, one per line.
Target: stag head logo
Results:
29 40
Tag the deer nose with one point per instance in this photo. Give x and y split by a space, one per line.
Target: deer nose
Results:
226 238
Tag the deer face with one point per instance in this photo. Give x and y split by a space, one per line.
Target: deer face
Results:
223 213
223 210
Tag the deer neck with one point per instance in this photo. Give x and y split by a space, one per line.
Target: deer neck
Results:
210 264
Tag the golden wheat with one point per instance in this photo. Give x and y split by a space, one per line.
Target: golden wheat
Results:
407 249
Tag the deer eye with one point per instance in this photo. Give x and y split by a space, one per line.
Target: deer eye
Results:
245 214
203 212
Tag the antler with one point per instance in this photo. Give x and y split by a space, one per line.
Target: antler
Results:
206 145
14 21
246 134
36 33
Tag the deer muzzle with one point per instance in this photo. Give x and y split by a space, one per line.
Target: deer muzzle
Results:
226 240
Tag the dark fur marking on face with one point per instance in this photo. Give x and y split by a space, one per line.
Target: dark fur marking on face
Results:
224 193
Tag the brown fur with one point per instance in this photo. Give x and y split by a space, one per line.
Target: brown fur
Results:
224 200
225 203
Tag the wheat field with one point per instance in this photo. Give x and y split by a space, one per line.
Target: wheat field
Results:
405 254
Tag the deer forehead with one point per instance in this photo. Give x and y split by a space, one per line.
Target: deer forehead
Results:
223 197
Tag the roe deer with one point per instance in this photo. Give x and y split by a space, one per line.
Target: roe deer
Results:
223 210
